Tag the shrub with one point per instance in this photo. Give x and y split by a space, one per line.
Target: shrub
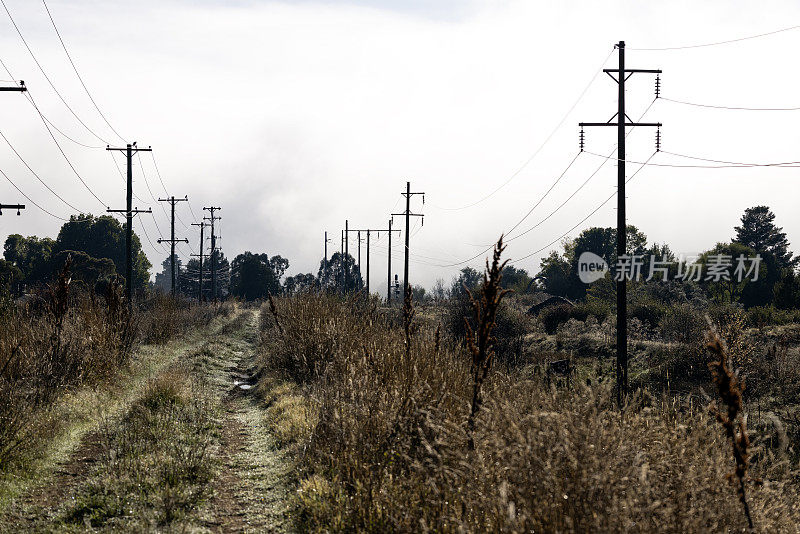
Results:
553 316
682 324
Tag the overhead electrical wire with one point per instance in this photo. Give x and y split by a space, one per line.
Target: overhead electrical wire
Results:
731 108
562 236
779 165
481 253
31 200
62 199
53 137
78 74
733 163
717 43
49 81
538 150
647 109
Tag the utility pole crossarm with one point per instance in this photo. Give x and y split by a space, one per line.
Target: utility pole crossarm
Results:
11 207
19 89
616 125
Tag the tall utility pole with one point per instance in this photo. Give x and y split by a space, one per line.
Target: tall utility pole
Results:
325 264
408 194
623 121
11 207
213 218
202 225
389 280
172 201
359 251
129 212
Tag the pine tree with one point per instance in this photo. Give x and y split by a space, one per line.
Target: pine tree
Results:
758 231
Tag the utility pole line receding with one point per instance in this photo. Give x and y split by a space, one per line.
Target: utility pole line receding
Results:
172 201
368 232
213 218
408 194
623 121
129 212
202 225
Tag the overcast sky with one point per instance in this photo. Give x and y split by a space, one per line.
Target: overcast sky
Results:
294 116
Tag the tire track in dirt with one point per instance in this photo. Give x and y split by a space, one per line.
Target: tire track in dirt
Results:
250 492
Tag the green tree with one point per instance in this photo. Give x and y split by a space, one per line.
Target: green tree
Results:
468 278
787 291
31 255
516 279
164 279
758 231
729 288
333 276
103 237
252 276
299 283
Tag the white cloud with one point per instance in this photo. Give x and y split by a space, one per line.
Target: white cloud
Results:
293 117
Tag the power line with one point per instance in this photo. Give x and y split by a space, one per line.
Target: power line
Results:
784 165
19 32
44 118
36 175
729 41
31 200
562 236
80 78
53 137
628 133
152 155
547 140
481 253
733 108
734 163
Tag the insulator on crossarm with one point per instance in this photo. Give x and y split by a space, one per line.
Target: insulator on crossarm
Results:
582 138
658 139
658 85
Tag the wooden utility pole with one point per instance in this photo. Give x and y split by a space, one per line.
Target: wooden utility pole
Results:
389 280
623 121
172 201
213 218
325 263
202 225
408 194
129 212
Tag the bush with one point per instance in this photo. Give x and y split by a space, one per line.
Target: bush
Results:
553 316
511 326
682 324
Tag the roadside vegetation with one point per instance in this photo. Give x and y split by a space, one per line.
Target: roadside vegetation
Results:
381 404
66 338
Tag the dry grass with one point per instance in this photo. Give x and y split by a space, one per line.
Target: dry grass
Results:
154 467
385 446
66 338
